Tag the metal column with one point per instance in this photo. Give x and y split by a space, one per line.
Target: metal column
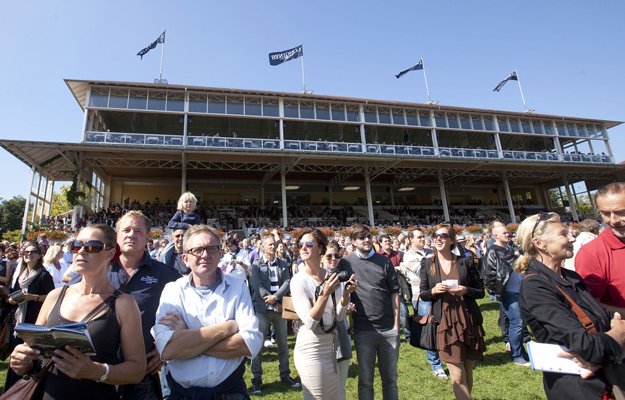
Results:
369 197
27 205
508 197
283 184
183 184
441 185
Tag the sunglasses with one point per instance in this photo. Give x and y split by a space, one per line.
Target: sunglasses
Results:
441 235
336 256
92 246
30 252
309 245
542 216
198 251
365 237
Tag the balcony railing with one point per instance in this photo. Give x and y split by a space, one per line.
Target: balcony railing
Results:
247 144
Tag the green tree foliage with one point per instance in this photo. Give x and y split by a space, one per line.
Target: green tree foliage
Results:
59 202
11 214
73 195
12 236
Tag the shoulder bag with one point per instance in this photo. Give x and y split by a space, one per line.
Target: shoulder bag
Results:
288 311
423 330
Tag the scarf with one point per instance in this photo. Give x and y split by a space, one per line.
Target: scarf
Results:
25 279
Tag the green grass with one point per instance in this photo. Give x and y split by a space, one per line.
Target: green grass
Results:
495 378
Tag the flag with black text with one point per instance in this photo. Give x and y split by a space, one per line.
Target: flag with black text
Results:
160 39
286 55
512 77
418 66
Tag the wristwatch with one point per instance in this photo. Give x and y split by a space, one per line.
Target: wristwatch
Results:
106 373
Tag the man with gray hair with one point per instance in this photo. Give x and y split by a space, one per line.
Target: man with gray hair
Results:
600 261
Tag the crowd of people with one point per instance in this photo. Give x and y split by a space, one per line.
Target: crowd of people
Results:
207 305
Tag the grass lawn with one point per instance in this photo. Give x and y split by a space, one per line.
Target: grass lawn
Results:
495 378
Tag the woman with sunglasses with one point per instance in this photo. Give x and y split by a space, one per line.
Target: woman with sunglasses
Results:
35 282
452 284
545 244
75 375
319 301
344 341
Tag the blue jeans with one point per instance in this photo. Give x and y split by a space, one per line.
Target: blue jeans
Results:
143 390
515 331
264 320
385 345
432 355
404 314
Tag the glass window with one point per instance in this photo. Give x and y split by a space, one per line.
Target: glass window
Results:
323 110
175 101
561 129
398 116
582 130
99 97
234 105
452 120
271 107
371 115
216 104
138 99
525 126
592 132
571 129
538 128
306 109
197 102
412 117
601 131
465 121
514 125
503 124
253 106
156 101
549 130
338 112
477 123
488 123
424 118
384 114
440 120
119 98
291 109
352 113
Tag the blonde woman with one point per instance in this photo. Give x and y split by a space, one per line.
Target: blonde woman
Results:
185 215
55 265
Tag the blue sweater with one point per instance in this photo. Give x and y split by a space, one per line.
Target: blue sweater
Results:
182 220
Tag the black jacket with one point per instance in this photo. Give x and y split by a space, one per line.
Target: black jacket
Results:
261 283
552 320
467 272
496 269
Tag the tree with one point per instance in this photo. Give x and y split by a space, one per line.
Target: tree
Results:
554 195
59 202
11 214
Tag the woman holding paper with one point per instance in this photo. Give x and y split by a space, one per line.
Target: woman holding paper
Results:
545 244
452 284
74 374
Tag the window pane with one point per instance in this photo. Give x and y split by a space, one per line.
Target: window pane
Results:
465 122
271 108
549 128
323 110
291 109
99 97
119 98
452 120
440 120
306 110
514 125
525 126
385 115
411 118
477 124
370 115
217 104
197 102
582 131
572 130
488 124
157 100
561 130
592 132
424 119
234 105
398 117
503 124
538 128
138 99
338 112
175 101
253 106
352 113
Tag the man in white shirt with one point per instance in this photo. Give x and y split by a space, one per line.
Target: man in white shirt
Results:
206 324
236 262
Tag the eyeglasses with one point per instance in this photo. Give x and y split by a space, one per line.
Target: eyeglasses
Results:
336 256
198 251
441 235
30 252
92 246
364 237
309 245
542 216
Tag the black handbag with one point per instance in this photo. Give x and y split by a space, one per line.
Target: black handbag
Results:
423 331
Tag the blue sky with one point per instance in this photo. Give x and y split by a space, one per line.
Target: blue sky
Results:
569 55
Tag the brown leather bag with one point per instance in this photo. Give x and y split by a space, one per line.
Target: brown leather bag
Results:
288 311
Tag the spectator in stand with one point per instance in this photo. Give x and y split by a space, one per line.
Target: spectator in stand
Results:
161 246
470 245
185 215
151 249
55 265
235 262
588 231
256 253
600 261
172 253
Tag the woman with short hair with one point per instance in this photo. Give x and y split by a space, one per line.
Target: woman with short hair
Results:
54 264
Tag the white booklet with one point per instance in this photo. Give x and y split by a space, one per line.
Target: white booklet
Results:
543 357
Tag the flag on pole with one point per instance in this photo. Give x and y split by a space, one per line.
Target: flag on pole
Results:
416 67
286 55
512 77
160 39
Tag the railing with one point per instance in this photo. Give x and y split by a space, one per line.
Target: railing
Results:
248 144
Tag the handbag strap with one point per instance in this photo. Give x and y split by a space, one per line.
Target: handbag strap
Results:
581 315
106 303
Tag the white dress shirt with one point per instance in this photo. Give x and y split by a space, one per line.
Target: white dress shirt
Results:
57 275
231 300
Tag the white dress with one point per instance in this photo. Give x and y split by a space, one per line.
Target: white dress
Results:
315 350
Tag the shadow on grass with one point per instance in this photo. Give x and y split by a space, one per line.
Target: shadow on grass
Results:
496 359
492 306
275 387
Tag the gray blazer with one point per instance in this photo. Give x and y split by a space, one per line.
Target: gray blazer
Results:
261 282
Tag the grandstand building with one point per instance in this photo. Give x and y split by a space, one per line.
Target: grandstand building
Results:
144 140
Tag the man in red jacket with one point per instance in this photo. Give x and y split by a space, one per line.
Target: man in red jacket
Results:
601 262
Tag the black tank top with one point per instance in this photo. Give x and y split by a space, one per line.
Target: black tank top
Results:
105 335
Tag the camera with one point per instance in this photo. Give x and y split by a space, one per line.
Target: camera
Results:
343 275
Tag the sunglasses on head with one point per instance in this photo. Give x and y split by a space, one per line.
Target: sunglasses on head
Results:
542 216
92 246
308 245
441 235
337 256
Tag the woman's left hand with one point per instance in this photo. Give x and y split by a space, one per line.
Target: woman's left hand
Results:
592 368
458 291
76 365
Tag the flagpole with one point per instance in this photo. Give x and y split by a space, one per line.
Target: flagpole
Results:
426 79
160 75
519 80
303 76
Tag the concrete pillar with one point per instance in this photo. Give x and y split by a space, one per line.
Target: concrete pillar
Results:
183 181
441 185
369 197
27 205
283 184
509 198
